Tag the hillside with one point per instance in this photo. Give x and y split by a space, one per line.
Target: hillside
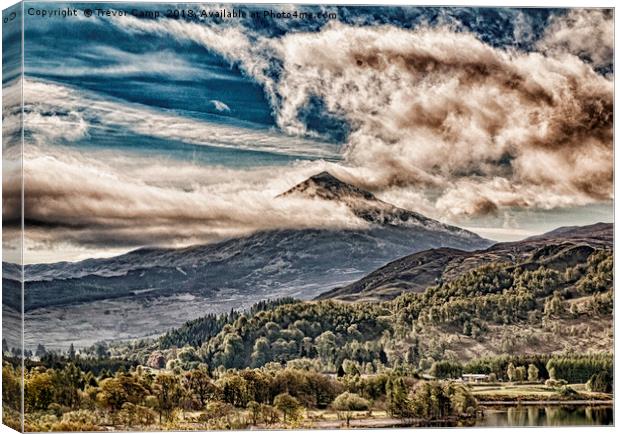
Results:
553 294
540 326
556 250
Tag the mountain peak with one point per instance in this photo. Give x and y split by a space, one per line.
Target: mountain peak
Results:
364 204
325 175
326 178
326 186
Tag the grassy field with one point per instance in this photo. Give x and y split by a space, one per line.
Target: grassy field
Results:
533 392
324 419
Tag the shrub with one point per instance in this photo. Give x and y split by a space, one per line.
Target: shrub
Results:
289 406
601 382
346 403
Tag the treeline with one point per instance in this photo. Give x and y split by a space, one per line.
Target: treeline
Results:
571 367
200 330
70 399
103 365
498 365
580 368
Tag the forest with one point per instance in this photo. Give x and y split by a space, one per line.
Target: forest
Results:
288 363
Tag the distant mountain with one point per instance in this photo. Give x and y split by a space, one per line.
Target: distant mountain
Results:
557 249
270 264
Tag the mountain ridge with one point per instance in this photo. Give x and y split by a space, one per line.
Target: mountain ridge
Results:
418 271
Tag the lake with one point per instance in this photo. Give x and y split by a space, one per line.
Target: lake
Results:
552 415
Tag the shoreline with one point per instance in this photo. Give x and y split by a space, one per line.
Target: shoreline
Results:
550 402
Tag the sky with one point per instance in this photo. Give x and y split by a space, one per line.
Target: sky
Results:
142 131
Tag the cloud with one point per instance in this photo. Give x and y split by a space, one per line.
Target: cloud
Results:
220 106
587 33
111 199
440 110
58 114
257 56
123 200
234 43
114 62
439 122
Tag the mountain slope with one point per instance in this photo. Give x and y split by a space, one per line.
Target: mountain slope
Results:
270 264
544 295
414 273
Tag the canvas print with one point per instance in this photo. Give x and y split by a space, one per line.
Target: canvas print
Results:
274 216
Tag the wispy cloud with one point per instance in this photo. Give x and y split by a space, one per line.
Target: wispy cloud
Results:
104 61
55 112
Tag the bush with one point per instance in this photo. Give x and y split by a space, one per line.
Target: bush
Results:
217 409
601 382
269 414
346 403
555 383
289 406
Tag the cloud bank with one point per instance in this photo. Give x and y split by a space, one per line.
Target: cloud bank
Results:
439 122
117 200
480 127
441 110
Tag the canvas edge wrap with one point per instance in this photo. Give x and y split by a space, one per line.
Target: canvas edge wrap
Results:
13 218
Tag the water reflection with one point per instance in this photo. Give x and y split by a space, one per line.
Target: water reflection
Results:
554 415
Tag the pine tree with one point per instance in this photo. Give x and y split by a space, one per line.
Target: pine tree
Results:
40 351
71 352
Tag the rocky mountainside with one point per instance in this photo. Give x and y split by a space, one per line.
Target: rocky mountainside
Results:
299 263
557 249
